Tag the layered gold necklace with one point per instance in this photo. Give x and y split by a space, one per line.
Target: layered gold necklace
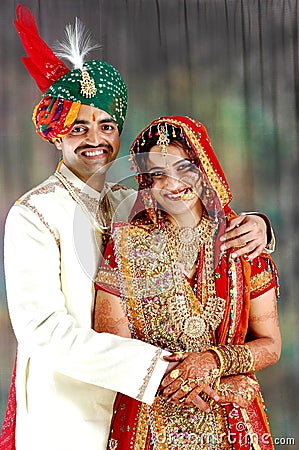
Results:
199 322
188 241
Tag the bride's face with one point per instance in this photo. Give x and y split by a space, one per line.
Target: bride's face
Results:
173 181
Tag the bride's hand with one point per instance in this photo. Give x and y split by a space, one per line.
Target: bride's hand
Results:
239 389
194 374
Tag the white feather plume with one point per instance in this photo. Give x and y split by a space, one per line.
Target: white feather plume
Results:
76 44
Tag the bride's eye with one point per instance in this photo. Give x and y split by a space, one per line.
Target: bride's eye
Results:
186 165
157 174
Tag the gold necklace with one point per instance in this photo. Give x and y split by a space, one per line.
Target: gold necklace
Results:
187 241
197 329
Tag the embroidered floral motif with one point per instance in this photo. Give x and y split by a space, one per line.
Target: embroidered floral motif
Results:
150 371
42 190
260 281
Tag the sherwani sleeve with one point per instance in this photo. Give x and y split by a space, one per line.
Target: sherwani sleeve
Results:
46 327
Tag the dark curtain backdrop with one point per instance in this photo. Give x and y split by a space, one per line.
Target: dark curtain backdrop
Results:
233 64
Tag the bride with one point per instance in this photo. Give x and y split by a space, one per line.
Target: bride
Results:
165 281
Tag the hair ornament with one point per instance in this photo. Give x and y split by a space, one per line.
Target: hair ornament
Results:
143 140
163 140
138 146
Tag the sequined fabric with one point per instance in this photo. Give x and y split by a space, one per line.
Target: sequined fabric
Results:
7 437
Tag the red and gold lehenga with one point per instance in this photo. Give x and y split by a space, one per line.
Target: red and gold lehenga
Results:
167 309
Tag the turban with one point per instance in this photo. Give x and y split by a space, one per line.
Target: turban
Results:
95 83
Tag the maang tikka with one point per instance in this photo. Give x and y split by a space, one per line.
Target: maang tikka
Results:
163 140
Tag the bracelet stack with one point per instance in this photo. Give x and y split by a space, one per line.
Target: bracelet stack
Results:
234 359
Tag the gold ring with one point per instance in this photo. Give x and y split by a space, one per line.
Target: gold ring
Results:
241 245
179 354
186 388
174 374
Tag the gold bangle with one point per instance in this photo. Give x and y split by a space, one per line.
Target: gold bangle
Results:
220 358
234 359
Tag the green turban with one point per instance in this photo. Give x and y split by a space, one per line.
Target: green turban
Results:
95 83
104 89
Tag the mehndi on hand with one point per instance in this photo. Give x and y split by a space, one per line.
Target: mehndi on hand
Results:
238 389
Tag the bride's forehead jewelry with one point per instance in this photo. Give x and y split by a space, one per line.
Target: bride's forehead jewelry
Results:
163 140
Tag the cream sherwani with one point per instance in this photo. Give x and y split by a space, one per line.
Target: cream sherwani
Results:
67 374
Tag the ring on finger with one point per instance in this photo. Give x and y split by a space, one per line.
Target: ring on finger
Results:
241 245
185 387
174 374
